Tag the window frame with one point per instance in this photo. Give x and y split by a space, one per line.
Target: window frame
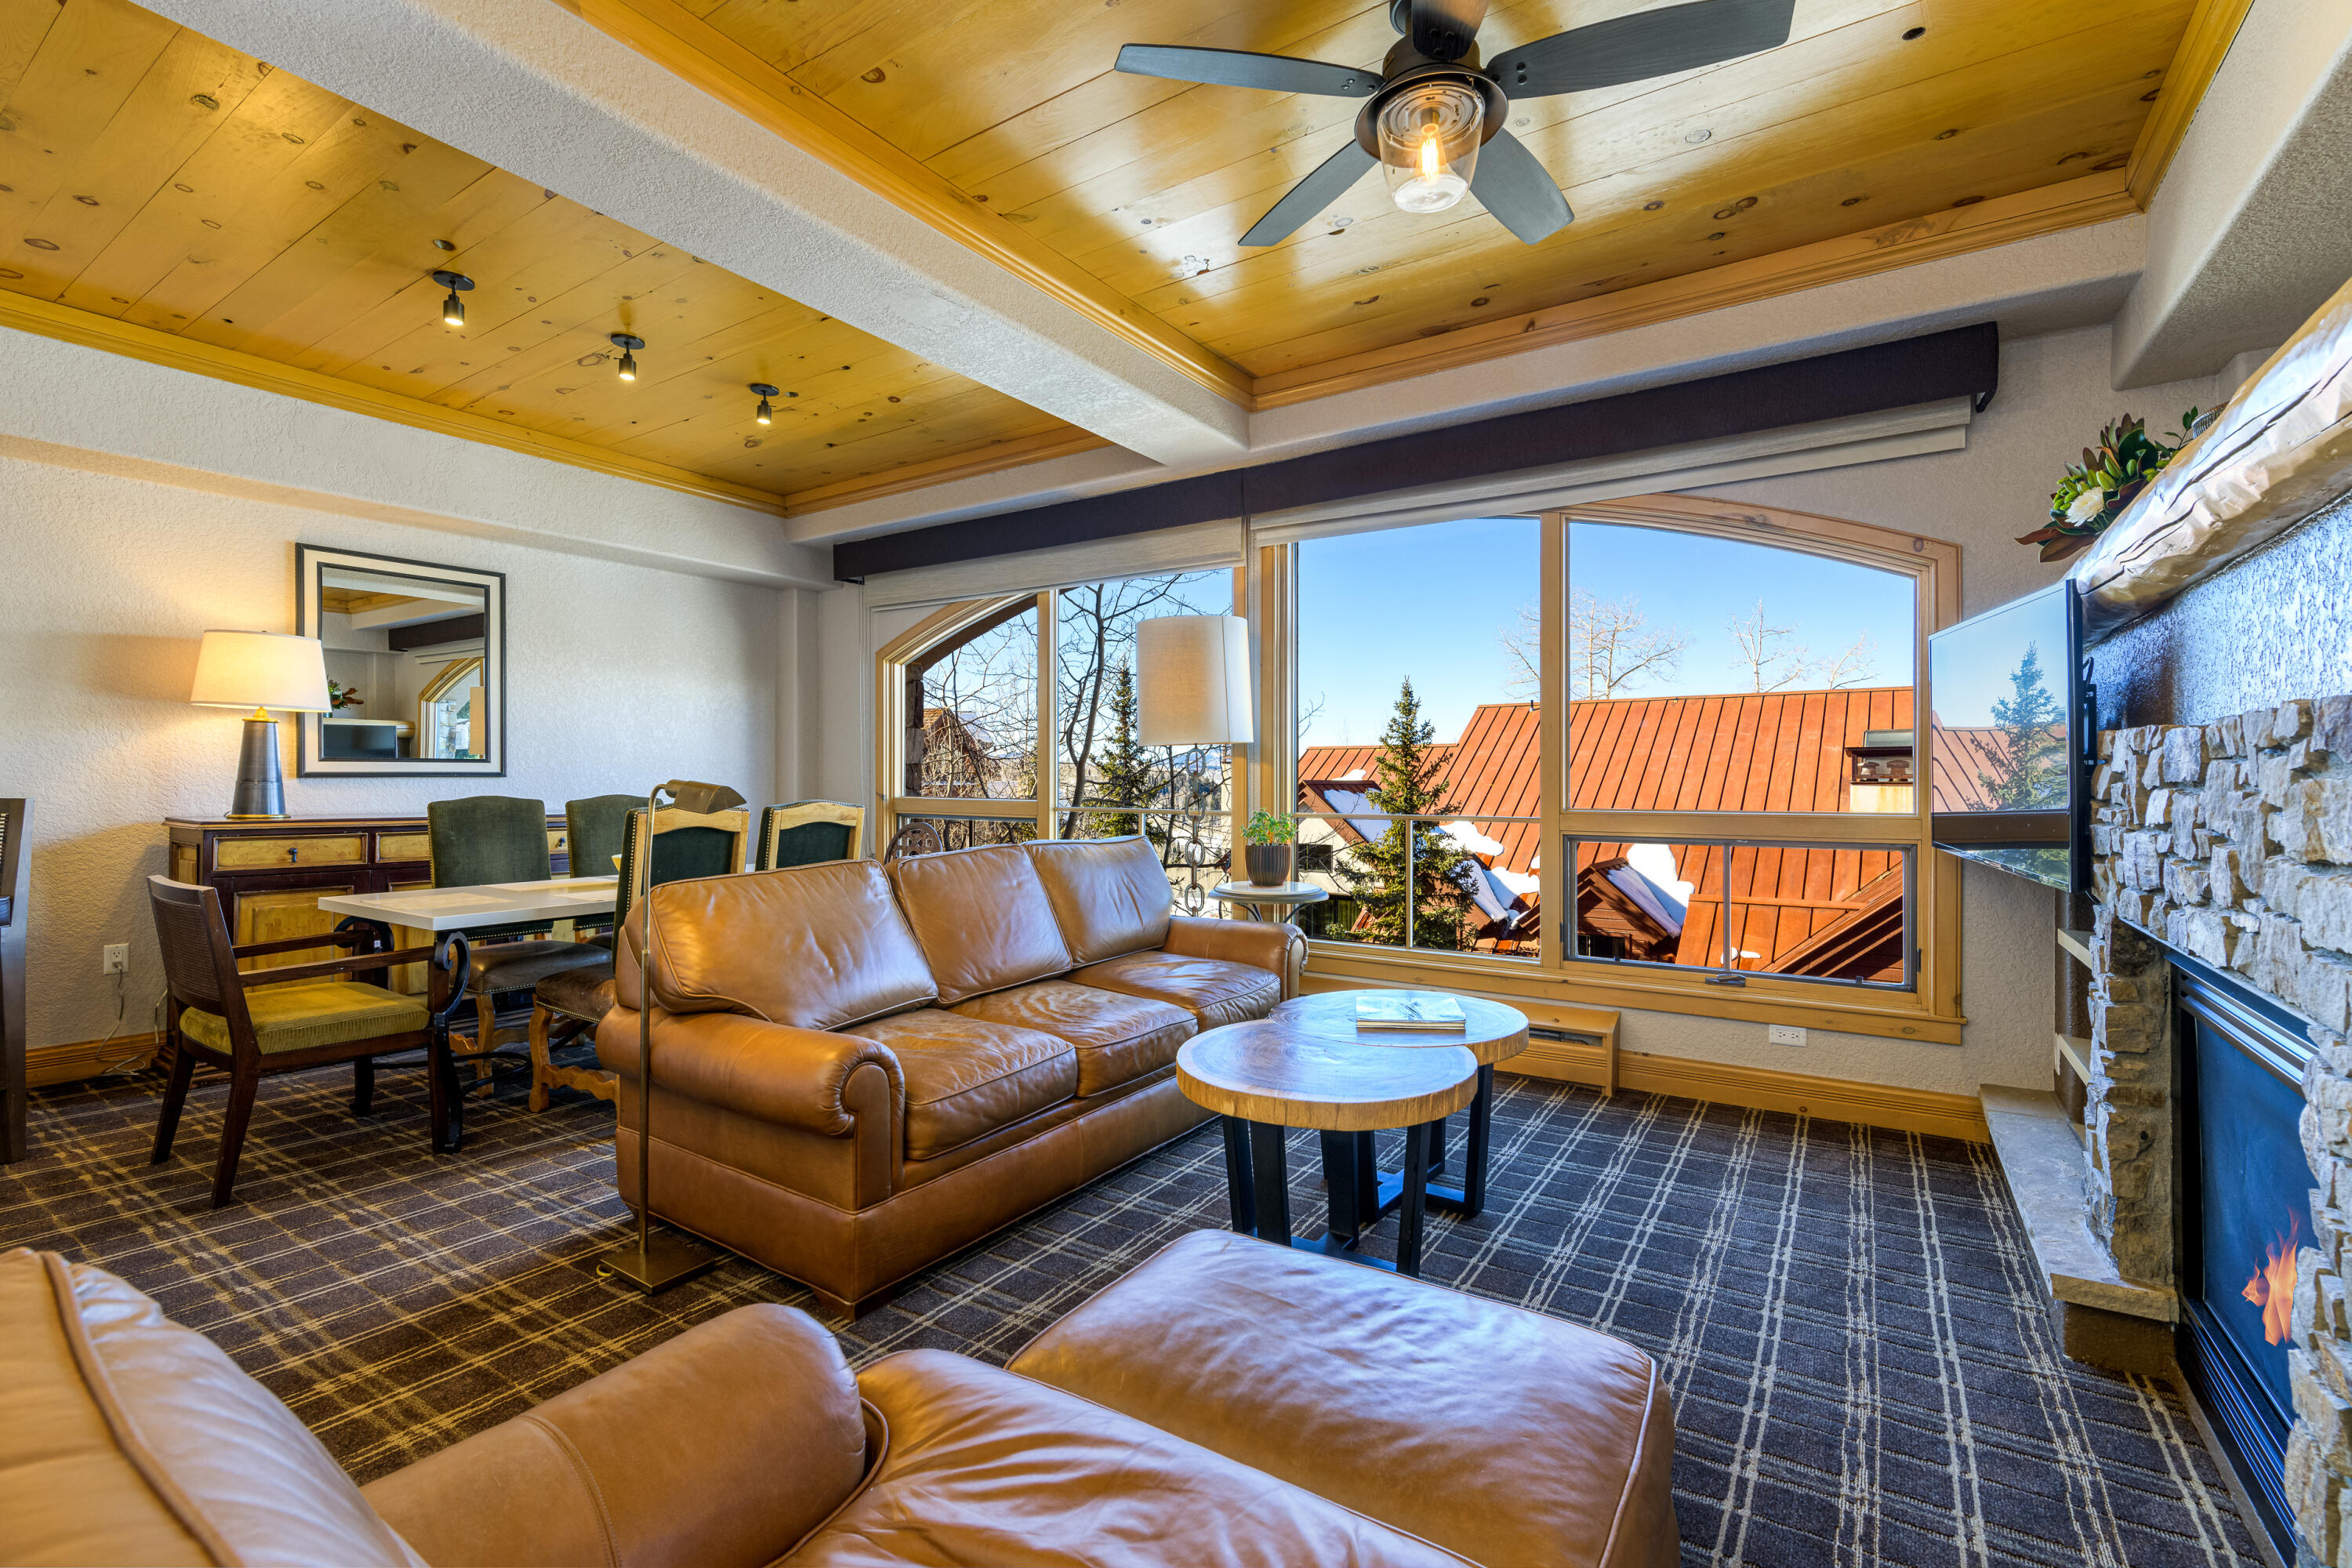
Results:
1928 1011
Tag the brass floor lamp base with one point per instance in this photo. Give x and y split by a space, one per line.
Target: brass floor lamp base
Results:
658 1261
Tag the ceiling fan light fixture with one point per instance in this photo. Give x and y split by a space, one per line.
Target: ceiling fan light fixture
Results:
1430 136
765 414
453 309
628 345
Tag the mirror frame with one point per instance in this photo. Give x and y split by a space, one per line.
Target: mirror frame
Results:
311 761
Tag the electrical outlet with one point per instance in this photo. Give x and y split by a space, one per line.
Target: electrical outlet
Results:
116 959
1785 1035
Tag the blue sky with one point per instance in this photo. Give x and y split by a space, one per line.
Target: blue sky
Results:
1432 603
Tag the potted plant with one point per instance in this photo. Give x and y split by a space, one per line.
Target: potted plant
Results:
1266 842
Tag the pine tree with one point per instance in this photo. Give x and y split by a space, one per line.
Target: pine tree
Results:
1406 783
1124 772
2029 775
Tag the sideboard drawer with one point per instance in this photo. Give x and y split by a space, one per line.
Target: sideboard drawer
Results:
252 854
392 848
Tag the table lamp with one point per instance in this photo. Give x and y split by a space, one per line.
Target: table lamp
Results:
1193 689
654 1262
260 670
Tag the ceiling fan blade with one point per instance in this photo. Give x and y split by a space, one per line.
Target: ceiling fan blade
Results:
1238 68
1444 29
1514 187
1646 44
1329 182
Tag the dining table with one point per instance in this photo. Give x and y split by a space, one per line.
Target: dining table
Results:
441 911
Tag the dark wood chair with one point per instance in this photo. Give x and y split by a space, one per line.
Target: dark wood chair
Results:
267 1021
16 857
488 838
807 832
566 1006
596 826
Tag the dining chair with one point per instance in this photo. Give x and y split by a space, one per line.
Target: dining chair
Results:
488 838
684 843
259 1022
809 831
15 857
595 826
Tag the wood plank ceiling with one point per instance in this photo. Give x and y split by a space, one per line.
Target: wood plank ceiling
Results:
1876 112
154 178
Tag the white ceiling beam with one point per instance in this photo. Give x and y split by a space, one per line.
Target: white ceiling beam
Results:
535 91
2246 235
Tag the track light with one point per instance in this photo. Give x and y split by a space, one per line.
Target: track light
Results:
765 415
453 309
628 347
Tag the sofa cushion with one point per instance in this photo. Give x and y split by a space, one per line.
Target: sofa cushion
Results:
1537 1443
965 1078
1120 1038
983 918
127 1438
984 1467
1110 895
1214 991
811 946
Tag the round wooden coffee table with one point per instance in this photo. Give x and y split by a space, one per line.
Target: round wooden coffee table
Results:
1264 1076
1494 1032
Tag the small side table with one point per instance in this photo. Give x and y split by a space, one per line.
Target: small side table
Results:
1280 896
1494 1032
1263 1077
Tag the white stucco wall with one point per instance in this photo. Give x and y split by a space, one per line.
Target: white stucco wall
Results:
620 675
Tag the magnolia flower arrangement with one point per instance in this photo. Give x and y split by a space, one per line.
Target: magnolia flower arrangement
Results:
2110 476
340 697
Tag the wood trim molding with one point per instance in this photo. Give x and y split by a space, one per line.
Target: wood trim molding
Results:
2093 198
1002 454
1929 1111
49 320
674 38
2212 27
71 1063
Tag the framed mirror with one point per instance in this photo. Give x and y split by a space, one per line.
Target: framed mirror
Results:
416 661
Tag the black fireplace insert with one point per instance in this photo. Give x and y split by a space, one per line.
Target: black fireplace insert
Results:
2245 1193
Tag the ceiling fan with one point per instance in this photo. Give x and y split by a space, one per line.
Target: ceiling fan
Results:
1433 115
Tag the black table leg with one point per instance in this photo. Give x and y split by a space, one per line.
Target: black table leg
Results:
1416 1184
1239 1203
1354 1205
1474 1153
447 1103
1272 1175
1437 1147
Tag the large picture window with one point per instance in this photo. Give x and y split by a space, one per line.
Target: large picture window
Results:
985 689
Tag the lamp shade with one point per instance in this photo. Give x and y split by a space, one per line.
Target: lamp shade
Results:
261 669
1193 682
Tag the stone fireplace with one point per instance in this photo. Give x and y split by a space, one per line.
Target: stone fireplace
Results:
2218 997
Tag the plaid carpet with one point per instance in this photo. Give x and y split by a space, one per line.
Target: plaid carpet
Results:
1849 1320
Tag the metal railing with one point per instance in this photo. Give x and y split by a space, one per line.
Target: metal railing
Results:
1506 936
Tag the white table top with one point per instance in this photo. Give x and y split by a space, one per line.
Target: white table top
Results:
1280 893
438 910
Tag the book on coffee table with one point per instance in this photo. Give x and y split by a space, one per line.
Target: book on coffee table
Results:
1410 1013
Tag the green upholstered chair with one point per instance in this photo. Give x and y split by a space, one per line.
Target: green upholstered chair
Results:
807 832
490 838
685 845
267 1021
595 826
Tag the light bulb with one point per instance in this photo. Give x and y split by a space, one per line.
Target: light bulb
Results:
628 366
453 309
628 346
766 416
1429 138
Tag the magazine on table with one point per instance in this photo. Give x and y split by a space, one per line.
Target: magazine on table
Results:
1410 1012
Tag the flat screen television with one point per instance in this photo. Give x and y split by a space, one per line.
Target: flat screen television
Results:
2007 732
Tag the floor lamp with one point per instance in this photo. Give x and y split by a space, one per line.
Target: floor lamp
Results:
1192 687
654 1263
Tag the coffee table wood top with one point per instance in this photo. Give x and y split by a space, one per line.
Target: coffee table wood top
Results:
1494 1032
1265 1071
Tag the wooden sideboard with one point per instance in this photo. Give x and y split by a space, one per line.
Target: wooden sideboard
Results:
271 875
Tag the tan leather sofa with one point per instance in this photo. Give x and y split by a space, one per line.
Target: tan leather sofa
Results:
858 1072
1227 1403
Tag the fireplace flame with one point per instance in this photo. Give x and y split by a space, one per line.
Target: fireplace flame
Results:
2271 1286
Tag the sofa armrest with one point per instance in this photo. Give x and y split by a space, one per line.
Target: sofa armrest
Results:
1513 1438
1279 948
794 1078
723 1446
